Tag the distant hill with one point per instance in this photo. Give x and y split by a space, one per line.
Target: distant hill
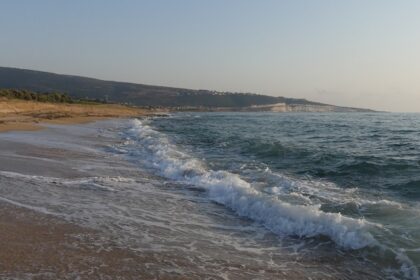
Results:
147 95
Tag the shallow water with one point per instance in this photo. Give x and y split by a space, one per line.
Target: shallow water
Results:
353 178
240 196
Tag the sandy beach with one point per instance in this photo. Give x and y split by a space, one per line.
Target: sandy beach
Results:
35 245
29 115
214 140
63 185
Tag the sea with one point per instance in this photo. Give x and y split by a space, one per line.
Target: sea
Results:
235 195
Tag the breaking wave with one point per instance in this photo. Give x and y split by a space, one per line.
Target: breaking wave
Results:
230 190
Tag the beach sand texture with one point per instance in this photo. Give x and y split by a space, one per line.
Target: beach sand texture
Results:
27 115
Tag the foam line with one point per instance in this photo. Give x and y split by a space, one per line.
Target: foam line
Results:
235 193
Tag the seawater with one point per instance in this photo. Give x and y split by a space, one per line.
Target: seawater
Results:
239 195
352 178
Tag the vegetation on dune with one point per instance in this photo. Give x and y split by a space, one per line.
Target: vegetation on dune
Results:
50 97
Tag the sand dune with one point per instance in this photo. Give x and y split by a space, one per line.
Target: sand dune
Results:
29 115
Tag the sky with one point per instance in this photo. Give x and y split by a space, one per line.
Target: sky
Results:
350 53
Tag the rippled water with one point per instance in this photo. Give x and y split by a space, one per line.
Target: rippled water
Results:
353 178
238 195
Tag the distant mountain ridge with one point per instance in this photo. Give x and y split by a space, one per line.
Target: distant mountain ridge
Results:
148 95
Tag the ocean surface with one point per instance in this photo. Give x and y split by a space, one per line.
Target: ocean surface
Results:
243 195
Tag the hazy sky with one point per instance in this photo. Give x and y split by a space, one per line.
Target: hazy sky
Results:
352 53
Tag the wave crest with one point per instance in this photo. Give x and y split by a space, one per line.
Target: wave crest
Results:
237 194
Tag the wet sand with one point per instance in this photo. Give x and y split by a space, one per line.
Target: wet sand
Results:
38 246
35 245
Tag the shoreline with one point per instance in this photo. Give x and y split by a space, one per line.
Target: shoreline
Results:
71 209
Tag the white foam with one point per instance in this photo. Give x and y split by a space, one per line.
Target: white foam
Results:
311 192
239 195
408 268
99 183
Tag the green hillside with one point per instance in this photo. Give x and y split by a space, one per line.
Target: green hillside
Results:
136 94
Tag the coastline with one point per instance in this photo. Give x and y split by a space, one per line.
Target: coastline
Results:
60 187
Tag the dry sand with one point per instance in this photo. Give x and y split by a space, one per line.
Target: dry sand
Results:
28 115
